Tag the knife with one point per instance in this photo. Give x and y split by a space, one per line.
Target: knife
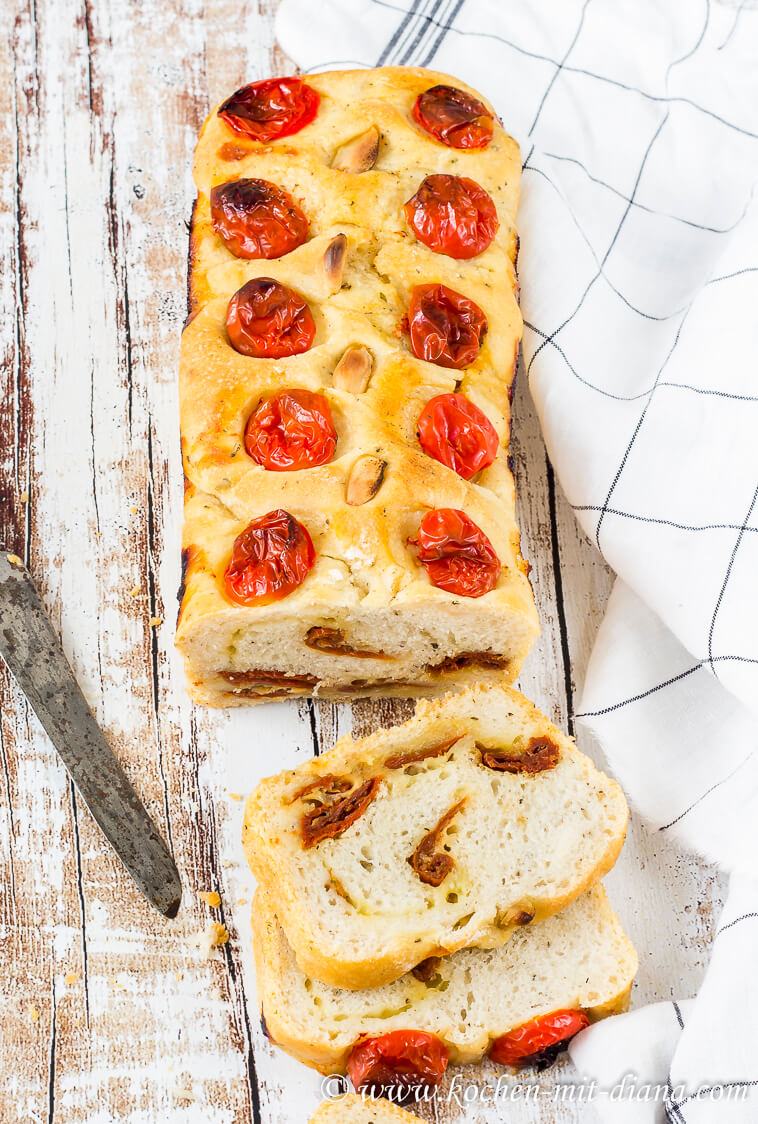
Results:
34 656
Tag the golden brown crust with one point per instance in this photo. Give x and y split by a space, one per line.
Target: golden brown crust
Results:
356 270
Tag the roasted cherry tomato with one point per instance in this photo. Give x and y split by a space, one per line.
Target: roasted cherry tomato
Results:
539 1041
399 1062
452 215
454 117
456 554
269 559
266 111
456 433
257 219
445 327
292 429
269 321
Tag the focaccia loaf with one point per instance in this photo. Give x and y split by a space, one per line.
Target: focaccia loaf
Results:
366 619
579 959
475 818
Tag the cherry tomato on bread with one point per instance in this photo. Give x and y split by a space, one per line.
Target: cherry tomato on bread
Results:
269 110
267 320
539 1041
457 434
270 558
452 215
445 327
456 553
257 219
291 430
397 1062
454 117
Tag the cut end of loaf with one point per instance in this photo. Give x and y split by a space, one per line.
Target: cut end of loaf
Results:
351 655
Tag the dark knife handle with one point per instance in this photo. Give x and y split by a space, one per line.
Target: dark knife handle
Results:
36 660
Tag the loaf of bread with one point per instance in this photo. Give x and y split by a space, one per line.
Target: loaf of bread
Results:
579 959
474 818
354 1109
352 268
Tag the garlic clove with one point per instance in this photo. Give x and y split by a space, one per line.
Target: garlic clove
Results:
354 369
365 479
359 154
334 261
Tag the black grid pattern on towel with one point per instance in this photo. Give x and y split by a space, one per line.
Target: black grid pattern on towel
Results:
421 30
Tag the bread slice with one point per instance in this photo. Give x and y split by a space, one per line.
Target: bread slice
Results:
441 850
353 1108
578 959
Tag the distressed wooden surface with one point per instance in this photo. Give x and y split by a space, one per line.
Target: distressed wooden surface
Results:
110 1013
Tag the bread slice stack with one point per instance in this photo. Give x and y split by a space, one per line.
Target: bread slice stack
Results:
579 959
442 877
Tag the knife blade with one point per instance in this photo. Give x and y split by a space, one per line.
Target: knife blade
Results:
34 656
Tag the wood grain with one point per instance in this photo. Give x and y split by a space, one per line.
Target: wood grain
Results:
109 1012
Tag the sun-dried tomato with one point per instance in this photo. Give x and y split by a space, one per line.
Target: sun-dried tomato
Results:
269 321
270 558
397 1063
452 215
457 434
262 677
471 659
454 117
445 327
268 110
328 820
412 757
431 864
456 553
257 219
540 754
291 430
332 640
539 1041
427 969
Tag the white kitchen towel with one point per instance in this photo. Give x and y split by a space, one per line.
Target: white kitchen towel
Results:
638 124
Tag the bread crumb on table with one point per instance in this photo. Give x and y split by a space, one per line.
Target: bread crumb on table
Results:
182 1089
210 897
155 621
32 1013
71 977
213 936
236 796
